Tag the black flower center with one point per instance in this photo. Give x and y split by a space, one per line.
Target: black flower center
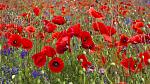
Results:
84 39
55 64
124 40
14 42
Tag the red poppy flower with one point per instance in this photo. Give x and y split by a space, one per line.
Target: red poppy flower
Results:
25 15
26 44
58 20
140 38
99 26
84 35
139 67
7 34
88 44
49 51
49 27
55 35
15 40
145 57
75 30
137 30
107 38
62 44
30 29
56 65
140 9
137 25
19 29
129 63
10 26
123 40
63 11
36 11
103 29
2 26
61 48
95 14
45 22
3 6
86 40
104 8
86 64
82 58
40 35
124 12
110 30
63 33
39 59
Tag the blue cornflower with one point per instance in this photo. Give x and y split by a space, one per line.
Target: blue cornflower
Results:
6 52
148 2
127 21
35 74
14 71
23 53
68 18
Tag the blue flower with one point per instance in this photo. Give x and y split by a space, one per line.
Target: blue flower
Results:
23 53
148 2
14 71
6 52
68 18
35 74
127 21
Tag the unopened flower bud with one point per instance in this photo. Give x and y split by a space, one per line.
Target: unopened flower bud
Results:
113 64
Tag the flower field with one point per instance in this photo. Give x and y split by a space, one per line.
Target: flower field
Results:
74 42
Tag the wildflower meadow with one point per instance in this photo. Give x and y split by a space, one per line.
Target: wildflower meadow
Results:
74 41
